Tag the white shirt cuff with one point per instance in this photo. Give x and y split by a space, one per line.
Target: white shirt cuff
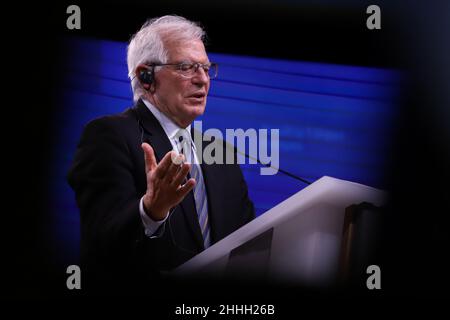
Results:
151 226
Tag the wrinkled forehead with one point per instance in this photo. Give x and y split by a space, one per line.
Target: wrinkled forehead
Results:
186 51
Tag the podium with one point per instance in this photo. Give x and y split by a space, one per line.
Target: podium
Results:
298 241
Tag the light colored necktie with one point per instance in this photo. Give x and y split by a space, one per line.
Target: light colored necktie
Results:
201 203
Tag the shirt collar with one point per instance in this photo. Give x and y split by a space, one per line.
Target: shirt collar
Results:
170 127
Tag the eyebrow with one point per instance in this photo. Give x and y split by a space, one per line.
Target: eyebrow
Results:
192 62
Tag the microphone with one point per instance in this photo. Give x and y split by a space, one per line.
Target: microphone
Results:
289 174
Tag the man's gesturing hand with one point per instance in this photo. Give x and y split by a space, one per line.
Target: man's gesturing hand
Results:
164 189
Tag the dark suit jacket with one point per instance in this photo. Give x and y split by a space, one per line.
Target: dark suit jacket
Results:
108 178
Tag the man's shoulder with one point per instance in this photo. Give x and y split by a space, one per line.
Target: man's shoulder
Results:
114 126
121 122
118 120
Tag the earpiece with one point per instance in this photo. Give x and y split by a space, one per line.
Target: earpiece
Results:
146 76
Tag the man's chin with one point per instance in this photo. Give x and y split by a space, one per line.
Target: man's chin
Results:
196 109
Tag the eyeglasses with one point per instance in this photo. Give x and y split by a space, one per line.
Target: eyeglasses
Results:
188 70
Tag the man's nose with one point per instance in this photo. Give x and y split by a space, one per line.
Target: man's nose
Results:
200 77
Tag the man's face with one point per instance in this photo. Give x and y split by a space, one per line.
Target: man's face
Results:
182 99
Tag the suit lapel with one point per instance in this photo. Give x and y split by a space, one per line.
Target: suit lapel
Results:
155 135
153 131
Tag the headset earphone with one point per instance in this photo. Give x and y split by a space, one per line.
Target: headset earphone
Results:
146 76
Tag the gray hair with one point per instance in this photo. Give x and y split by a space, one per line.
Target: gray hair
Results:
148 44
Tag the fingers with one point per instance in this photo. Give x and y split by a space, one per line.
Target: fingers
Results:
173 168
181 175
149 156
165 164
170 168
186 188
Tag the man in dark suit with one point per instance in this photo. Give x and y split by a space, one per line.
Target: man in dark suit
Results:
146 204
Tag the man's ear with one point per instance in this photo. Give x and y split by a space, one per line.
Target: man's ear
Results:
145 76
